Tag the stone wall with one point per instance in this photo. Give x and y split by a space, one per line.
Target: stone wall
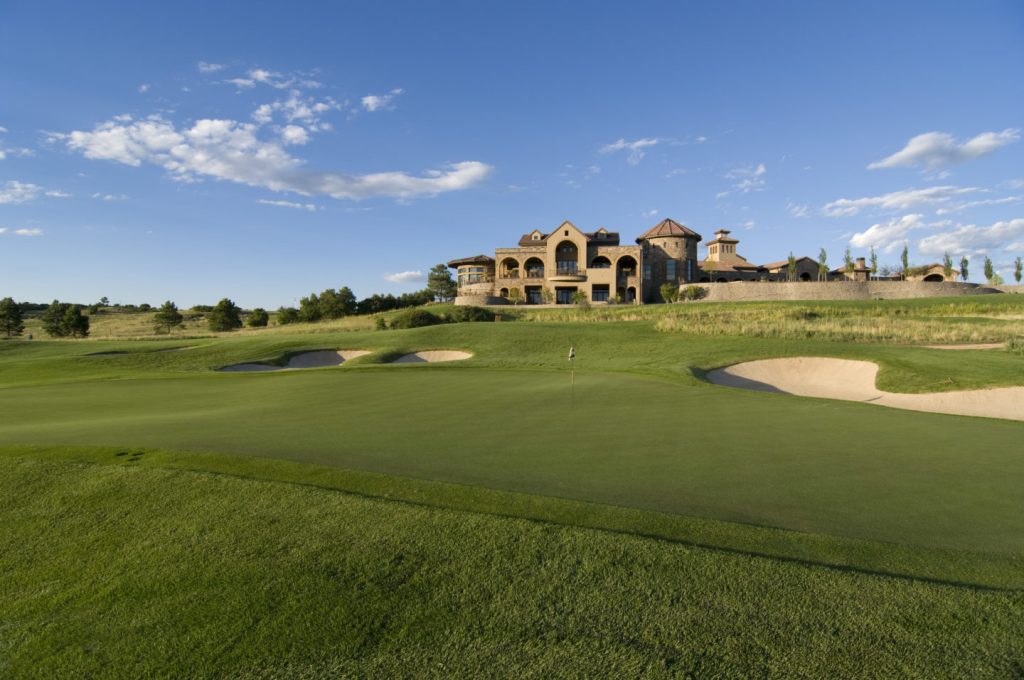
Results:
736 291
1010 288
480 300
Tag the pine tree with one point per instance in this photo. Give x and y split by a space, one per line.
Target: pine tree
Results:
905 261
874 262
11 320
947 266
259 318
226 316
441 284
989 271
963 268
53 319
1018 269
167 318
76 324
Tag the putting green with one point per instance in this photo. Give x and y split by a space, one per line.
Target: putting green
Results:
622 439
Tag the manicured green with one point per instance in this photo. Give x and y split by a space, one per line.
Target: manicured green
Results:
132 570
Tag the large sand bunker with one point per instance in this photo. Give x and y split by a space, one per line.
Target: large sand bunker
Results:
432 356
855 381
317 359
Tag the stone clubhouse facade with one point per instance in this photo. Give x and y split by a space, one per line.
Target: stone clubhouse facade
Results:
556 266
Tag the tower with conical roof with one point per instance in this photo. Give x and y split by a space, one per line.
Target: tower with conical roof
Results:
669 252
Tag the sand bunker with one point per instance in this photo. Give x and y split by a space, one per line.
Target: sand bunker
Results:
318 359
976 345
855 381
432 356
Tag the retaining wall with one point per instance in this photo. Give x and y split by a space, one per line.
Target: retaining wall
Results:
736 291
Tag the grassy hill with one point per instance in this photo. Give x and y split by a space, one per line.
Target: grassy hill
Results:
487 516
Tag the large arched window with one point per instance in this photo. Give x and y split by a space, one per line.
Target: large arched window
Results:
601 262
534 268
567 258
509 268
626 266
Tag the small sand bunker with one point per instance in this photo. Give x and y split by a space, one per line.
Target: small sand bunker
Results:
432 356
855 381
317 359
976 345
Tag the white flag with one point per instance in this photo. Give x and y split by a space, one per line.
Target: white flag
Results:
572 353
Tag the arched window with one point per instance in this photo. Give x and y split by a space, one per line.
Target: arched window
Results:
509 268
534 268
567 258
601 262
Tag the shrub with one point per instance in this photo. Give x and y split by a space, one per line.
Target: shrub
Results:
669 292
470 313
380 323
694 292
579 298
259 318
167 318
415 318
287 315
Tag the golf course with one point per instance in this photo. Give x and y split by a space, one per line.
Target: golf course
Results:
463 500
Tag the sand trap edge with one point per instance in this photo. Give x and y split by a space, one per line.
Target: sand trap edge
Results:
431 356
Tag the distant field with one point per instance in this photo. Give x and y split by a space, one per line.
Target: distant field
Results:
844 504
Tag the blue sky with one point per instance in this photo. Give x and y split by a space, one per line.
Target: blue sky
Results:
262 151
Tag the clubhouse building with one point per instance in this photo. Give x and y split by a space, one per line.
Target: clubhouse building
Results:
564 264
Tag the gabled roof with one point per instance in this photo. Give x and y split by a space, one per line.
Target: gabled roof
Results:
668 227
713 266
602 235
722 236
784 263
476 259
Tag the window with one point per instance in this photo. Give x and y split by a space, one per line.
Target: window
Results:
647 270
670 270
599 293
533 295
563 296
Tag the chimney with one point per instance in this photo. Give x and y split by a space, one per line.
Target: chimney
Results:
861 264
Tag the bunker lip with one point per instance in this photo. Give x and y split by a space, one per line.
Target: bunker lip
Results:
976 345
321 358
851 380
432 356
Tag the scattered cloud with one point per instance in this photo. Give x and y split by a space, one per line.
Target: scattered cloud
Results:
888 236
144 88
22 232
897 200
99 196
799 210
966 205
3 129
289 204
53 193
747 179
676 171
749 224
936 149
404 277
207 67
1013 183
14 191
19 152
635 148
379 102
231 150
649 213
974 239
293 134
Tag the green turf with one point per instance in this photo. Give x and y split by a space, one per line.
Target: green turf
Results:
130 570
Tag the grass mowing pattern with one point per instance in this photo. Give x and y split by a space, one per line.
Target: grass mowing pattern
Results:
131 571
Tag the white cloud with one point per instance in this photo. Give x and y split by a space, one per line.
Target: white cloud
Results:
635 148
16 152
144 88
293 134
887 236
748 179
798 210
649 213
289 204
377 102
53 193
966 205
14 191
207 67
675 171
404 277
3 129
232 150
22 232
897 200
242 83
936 149
974 239
108 197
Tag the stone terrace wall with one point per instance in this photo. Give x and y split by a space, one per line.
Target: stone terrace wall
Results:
736 291
1010 289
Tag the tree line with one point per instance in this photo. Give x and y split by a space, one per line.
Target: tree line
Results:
67 320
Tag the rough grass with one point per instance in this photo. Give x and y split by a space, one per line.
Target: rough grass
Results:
130 570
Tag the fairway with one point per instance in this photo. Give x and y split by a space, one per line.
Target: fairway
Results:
625 440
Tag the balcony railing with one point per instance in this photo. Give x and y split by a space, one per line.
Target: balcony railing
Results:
474 280
510 274
535 273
